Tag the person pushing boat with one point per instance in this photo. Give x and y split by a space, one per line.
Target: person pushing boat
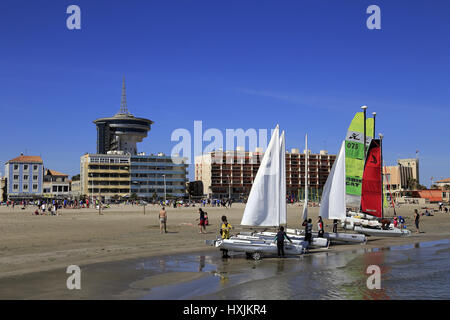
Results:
279 238
308 230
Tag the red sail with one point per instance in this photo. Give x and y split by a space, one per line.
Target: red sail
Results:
371 194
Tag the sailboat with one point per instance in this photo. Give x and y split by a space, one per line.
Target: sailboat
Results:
333 203
294 234
327 236
372 195
266 205
364 180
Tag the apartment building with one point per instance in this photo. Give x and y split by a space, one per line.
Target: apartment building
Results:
105 175
231 173
24 176
56 184
158 176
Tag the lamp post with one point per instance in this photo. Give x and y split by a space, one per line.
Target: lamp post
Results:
92 187
374 116
229 187
164 176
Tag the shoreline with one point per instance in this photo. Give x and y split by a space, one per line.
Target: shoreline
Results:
32 244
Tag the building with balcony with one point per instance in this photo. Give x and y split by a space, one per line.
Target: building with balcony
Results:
105 176
227 174
24 176
158 176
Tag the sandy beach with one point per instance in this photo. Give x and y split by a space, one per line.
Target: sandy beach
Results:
32 243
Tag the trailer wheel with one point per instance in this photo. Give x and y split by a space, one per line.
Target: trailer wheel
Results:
256 256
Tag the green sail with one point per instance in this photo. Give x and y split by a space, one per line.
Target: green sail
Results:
354 155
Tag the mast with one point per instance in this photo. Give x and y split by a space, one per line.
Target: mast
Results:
364 141
381 167
374 116
305 205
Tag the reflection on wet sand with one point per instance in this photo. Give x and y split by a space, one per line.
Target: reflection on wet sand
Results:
321 275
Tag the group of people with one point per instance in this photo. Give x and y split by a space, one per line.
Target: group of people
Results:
217 203
66 204
281 235
47 208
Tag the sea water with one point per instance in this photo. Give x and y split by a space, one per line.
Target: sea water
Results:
416 271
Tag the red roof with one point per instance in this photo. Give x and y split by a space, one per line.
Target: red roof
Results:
55 173
431 195
33 159
444 180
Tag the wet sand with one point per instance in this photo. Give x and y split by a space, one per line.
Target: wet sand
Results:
37 245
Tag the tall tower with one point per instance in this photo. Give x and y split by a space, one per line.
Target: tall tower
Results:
122 131
412 163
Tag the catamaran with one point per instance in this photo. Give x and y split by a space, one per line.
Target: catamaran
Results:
295 234
266 206
364 180
333 203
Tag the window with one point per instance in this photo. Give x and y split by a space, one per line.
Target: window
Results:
35 177
16 167
16 187
35 186
35 167
16 177
25 167
25 177
25 187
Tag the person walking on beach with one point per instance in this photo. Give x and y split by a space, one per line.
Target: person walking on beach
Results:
279 238
202 223
162 220
225 230
416 220
320 227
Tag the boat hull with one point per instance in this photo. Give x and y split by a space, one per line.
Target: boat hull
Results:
297 239
331 237
395 232
340 237
252 246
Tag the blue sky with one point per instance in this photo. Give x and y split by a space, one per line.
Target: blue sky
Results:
307 65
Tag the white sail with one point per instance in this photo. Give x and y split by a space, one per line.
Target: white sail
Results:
263 204
333 204
282 180
305 204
